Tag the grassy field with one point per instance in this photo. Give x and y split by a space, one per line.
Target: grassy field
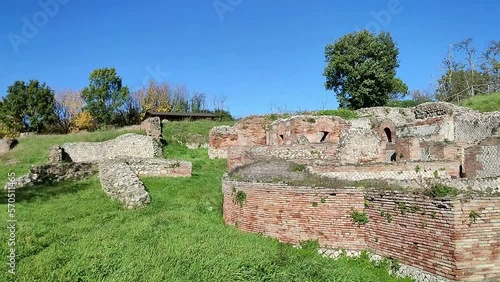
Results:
484 103
73 232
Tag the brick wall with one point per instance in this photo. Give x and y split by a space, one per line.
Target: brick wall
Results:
477 243
413 229
250 131
295 215
434 235
306 129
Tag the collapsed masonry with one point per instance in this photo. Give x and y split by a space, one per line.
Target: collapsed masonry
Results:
120 162
431 145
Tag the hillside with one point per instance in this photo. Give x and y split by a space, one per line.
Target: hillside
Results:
72 231
484 103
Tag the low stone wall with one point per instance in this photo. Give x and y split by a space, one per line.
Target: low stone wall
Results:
304 154
382 171
53 173
121 183
452 238
160 167
127 145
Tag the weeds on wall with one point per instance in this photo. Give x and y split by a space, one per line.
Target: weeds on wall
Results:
473 217
359 217
440 191
240 197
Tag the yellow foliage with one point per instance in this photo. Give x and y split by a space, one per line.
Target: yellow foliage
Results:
156 97
6 132
83 121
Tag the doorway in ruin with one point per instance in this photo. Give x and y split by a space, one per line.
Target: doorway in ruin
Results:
388 133
324 135
393 157
461 172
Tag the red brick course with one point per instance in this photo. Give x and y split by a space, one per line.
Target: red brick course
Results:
430 234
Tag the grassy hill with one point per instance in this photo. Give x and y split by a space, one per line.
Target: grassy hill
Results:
72 231
484 103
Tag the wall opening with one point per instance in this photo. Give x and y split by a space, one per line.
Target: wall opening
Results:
393 157
324 136
389 134
282 137
461 172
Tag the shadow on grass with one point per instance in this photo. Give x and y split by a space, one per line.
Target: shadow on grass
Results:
47 191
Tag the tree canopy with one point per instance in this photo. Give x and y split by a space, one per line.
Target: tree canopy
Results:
104 95
361 69
28 107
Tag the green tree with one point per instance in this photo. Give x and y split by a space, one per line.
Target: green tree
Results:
104 95
28 107
361 70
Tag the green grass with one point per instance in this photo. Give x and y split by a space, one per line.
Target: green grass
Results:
189 131
72 231
484 103
343 113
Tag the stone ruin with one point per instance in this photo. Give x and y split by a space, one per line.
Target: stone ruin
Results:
120 162
383 165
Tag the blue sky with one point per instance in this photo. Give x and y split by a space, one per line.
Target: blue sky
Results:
261 54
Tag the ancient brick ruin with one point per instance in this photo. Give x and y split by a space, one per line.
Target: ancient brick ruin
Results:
120 162
381 165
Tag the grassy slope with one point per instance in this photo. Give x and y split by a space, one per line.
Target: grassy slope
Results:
484 103
73 232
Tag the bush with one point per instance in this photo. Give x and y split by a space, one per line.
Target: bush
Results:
343 113
84 121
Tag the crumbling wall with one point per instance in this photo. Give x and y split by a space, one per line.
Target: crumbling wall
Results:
473 127
306 129
397 171
305 154
160 167
399 116
434 128
360 145
121 183
127 145
220 139
52 173
250 131
153 128
483 160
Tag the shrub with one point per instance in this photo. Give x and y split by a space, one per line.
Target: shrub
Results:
440 190
84 121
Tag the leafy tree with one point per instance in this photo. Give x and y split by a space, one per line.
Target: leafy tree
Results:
458 85
104 95
28 107
361 69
